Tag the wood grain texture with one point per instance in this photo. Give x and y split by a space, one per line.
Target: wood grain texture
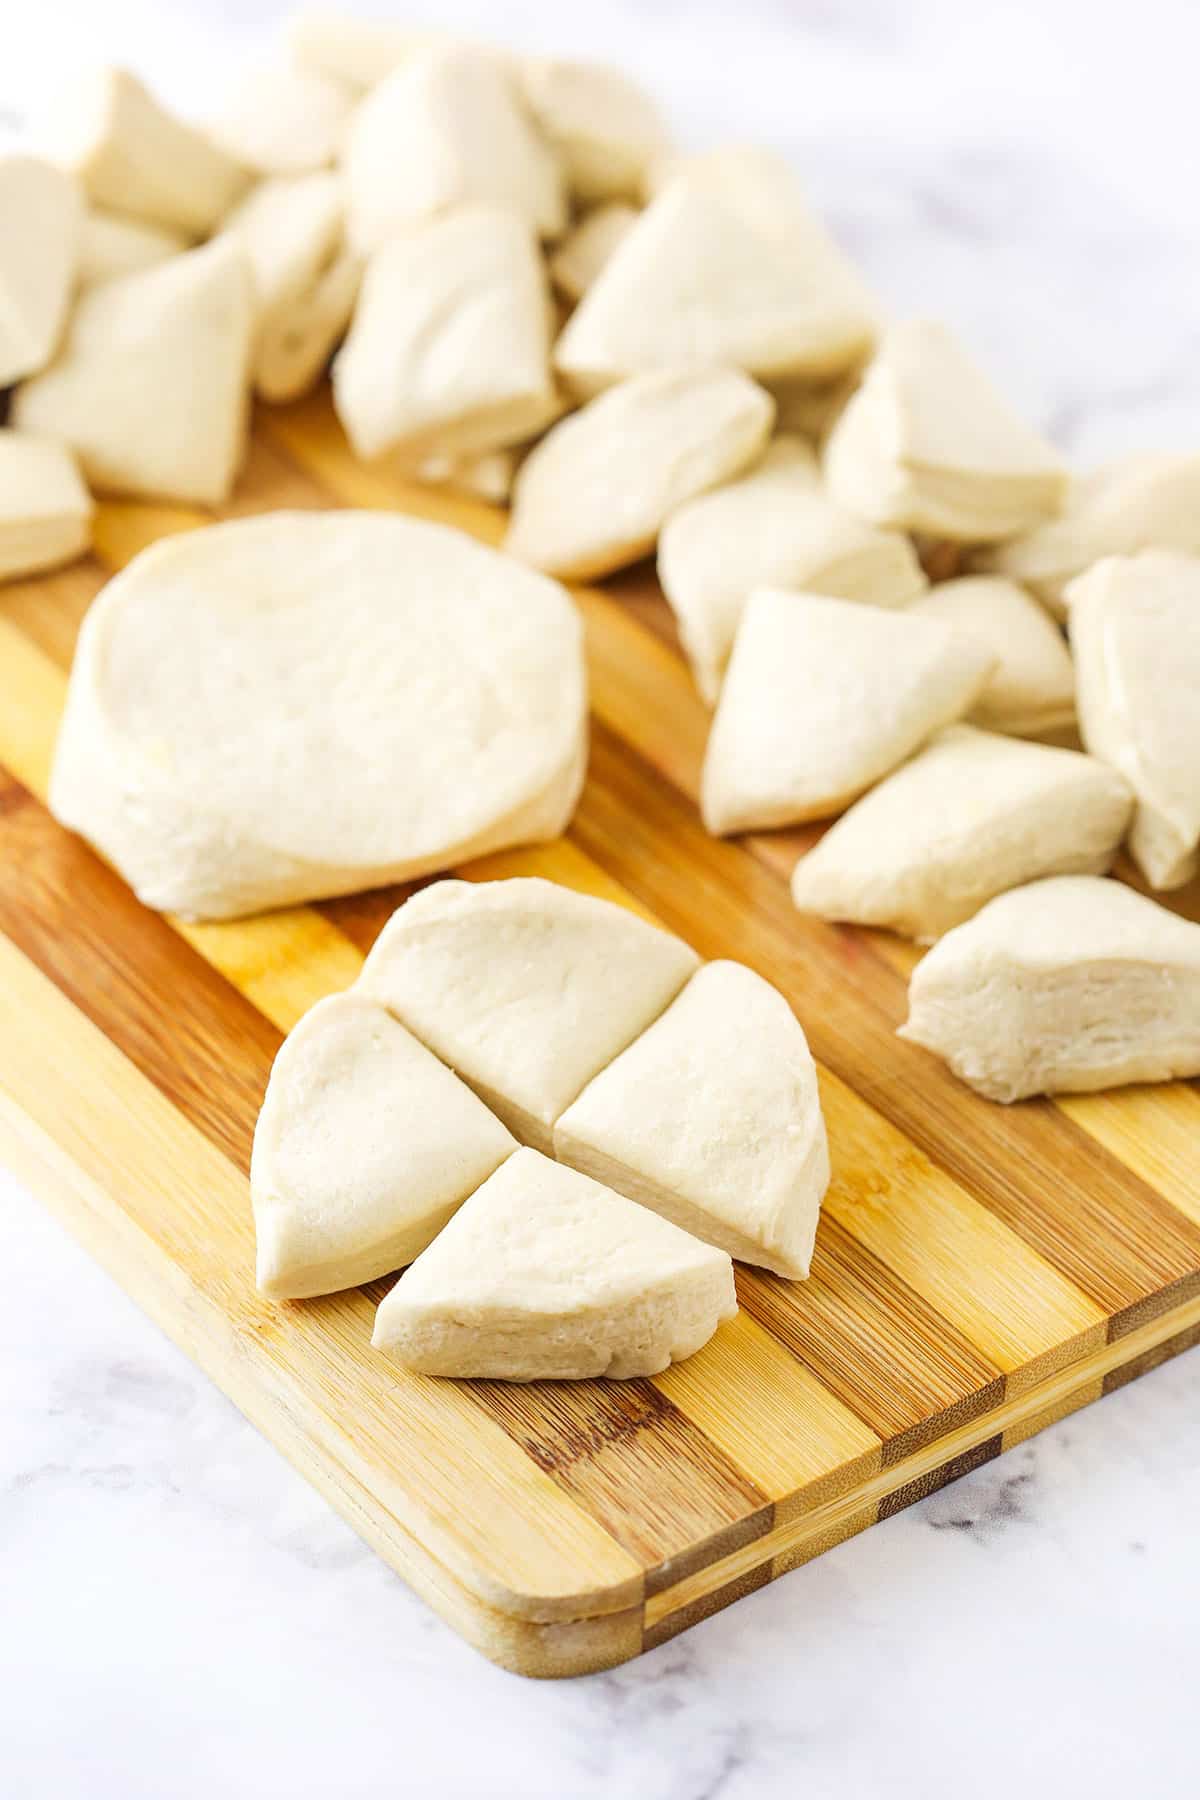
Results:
980 1271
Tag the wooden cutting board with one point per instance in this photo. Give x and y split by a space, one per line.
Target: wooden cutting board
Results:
980 1270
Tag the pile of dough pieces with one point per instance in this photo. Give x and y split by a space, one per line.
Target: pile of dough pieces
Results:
559 1117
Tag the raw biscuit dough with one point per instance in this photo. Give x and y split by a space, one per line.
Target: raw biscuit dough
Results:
303 704
822 698
345 47
972 814
596 491
1135 631
284 120
450 345
545 1275
1032 688
295 345
447 129
45 510
711 273
133 156
150 385
41 221
1062 986
365 1146
525 988
927 444
110 246
577 261
606 130
712 1118
1144 502
290 227
775 527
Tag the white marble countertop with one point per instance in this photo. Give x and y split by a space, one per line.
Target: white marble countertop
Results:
180 1615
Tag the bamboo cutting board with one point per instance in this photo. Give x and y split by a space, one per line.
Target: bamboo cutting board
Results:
980 1271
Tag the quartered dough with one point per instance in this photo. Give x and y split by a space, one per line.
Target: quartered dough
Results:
290 227
1135 631
605 128
822 698
595 492
774 527
447 128
45 510
1062 986
545 1275
1144 502
712 1118
450 345
577 261
307 703
41 220
525 988
365 1146
295 344
284 120
348 48
726 264
150 384
111 245
134 157
1032 687
972 814
927 444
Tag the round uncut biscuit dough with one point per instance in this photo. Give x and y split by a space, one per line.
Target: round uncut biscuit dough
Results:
304 704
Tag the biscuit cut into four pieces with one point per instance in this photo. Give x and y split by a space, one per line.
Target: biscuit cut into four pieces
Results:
45 509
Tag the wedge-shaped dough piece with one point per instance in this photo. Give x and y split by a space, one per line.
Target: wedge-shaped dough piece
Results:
586 248
447 129
41 219
45 510
150 385
595 492
302 704
290 227
1144 502
294 346
712 1118
1032 687
1063 986
111 246
606 129
525 988
1135 631
776 527
704 274
544 1275
822 698
972 814
348 48
283 120
365 1146
927 444
450 345
133 156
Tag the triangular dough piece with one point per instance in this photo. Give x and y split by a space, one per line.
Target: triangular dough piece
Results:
365 1146
546 1276
594 494
45 510
577 261
605 128
134 157
775 527
447 128
111 245
295 345
823 697
1135 631
283 120
698 276
525 988
150 385
41 220
927 444
713 1119
1063 986
1150 501
972 814
450 345
307 703
1032 687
